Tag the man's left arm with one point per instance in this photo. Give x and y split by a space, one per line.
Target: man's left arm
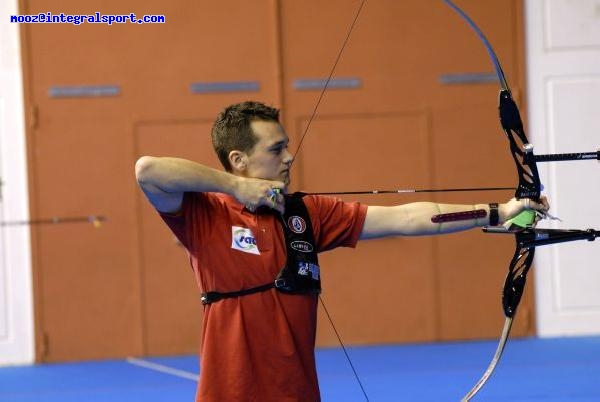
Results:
415 219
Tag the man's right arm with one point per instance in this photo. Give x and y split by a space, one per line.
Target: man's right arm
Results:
164 180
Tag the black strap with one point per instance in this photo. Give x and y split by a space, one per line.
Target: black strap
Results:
494 218
301 274
211 297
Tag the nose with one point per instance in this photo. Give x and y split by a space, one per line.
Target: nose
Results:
288 158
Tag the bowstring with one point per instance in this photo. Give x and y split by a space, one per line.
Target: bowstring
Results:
339 338
310 120
329 77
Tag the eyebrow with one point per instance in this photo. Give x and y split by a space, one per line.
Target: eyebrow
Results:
278 144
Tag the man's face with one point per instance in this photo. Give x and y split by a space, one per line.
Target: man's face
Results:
270 158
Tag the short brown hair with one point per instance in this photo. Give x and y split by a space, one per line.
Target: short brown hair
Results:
232 131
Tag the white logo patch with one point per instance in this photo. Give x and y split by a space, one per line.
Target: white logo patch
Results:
296 224
242 239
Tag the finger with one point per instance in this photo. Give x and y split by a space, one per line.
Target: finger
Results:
529 204
272 202
277 186
277 202
275 195
272 196
541 206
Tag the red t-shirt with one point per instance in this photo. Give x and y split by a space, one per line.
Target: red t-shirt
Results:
258 347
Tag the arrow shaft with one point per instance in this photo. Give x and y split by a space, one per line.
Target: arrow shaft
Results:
412 191
55 220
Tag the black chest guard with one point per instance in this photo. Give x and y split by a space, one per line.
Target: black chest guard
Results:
301 274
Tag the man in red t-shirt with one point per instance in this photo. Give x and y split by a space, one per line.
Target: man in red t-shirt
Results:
260 346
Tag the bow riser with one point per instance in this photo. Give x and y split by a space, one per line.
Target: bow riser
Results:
526 242
522 153
514 284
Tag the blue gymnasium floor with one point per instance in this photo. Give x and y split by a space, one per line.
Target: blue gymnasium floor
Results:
560 369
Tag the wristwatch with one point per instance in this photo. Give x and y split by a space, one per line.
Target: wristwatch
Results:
494 218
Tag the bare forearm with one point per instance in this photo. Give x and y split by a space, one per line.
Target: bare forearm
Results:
165 180
415 219
421 222
174 175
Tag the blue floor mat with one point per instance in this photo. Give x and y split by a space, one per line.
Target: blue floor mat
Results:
557 369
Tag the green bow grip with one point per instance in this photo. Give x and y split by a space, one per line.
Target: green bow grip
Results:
524 220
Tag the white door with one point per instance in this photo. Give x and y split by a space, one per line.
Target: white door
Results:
16 297
563 59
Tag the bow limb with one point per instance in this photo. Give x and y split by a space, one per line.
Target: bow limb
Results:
510 119
514 286
488 372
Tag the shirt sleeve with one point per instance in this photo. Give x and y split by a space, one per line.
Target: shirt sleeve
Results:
181 223
336 223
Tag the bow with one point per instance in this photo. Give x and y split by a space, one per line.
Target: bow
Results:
529 186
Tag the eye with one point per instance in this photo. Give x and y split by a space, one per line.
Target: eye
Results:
278 149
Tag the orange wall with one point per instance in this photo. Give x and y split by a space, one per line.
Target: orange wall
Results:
125 288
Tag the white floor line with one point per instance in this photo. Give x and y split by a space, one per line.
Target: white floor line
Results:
162 368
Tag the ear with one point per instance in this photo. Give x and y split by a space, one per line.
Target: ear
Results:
238 160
